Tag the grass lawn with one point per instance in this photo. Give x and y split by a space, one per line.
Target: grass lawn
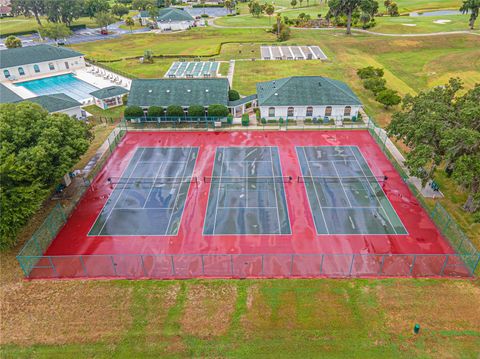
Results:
199 42
406 6
420 24
240 319
22 23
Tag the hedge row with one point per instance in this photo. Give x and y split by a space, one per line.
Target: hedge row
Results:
175 110
28 32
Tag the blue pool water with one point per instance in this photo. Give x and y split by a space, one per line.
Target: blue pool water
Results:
67 84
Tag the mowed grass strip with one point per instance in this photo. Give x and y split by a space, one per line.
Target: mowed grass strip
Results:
258 318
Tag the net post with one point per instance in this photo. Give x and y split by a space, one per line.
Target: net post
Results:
82 262
444 265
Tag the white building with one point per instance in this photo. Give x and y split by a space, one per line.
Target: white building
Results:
60 103
301 97
169 19
26 63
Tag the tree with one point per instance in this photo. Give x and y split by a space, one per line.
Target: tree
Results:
103 19
120 10
281 29
229 5
392 9
233 95
148 56
368 10
55 31
375 84
133 111
196 111
218 111
155 111
472 7
12 42
388 97
269 10
142 4
175 111
92 7
344 7
38 149
255 8
300 1
293 3
29 7
369 71
440 126
129 22
63 10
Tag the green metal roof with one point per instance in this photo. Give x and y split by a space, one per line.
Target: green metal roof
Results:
34 54
242 100
7 95
305 91
54 103
110 91
170 14
182 92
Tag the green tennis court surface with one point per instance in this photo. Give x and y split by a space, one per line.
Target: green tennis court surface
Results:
247 194
193 69
148 199
344 195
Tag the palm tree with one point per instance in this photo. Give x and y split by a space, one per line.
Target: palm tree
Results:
472 7
129 22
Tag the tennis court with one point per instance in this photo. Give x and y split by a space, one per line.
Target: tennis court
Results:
190 69
247 194
148 199
292 53
344 195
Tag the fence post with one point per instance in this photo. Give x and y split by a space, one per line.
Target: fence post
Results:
381 265
173 265
321 263
291 264
143 266
413 264
203 265
351 265
231 265
53 266
83 266
113 265
262 264
444 265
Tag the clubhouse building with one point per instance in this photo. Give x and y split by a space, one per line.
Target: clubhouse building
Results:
297 97
169 19
26 63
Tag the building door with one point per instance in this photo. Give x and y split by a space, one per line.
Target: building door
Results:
67 66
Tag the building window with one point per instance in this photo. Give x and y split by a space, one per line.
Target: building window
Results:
36 68
50 66
328 111
271 112
347 111
290 112
309 111
21 72
6 73
67 66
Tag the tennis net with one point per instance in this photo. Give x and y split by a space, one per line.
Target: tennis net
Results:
267 179
345 179
150 181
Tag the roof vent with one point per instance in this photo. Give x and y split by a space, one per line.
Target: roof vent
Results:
320 84
168 91
149 91
189 90
276 94
206 90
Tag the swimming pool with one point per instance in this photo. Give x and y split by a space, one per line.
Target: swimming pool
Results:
67 84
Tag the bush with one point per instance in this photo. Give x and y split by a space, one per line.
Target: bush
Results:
375 84
155 111
245 119
388 98
257 114
204 15
230 119
280 120
218 111
13 42
196 111
133 111
125 99
369 72
263 121
233 95
175 110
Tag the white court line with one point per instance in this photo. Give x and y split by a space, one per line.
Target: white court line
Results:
275 192
341 184
366 178
178 191
118 197
151 189
229 207
316 194
218 191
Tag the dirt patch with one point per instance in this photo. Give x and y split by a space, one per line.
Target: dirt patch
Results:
48 312
208 309
447 306
406 43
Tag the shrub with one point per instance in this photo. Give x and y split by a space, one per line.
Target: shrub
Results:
230 119
175 110
375 84
257 114
263 121
280 120
218 110
354 118
388 98
133 111
369 72
155 111
204 15
12 42
125 99
233 95
245 119
196 111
